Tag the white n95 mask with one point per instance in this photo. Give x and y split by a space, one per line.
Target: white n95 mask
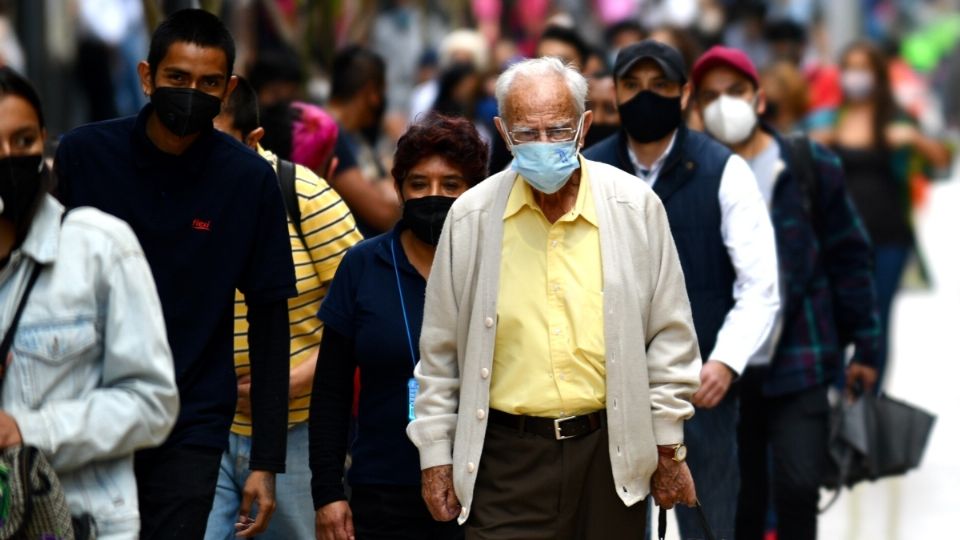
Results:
730 120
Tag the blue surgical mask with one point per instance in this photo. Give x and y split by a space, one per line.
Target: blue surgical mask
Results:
547 166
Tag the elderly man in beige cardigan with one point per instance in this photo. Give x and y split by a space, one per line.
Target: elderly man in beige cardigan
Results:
558 355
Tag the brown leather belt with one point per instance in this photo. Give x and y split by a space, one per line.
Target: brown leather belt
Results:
550 428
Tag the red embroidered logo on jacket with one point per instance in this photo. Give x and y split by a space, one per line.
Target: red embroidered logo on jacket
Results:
201 225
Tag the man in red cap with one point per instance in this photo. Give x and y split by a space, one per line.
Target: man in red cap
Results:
827 301
727 251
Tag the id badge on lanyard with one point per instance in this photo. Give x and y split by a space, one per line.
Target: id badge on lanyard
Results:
412 386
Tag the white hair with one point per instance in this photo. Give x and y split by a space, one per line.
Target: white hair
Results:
543 68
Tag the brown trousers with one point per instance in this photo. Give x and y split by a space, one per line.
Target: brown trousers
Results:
530 487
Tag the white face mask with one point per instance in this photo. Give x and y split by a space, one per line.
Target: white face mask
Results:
730 120
857 84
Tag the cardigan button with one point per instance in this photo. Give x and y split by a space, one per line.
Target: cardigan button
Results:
484 373
481 414
488 322
471 467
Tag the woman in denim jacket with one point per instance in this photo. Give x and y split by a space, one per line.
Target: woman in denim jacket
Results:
89 378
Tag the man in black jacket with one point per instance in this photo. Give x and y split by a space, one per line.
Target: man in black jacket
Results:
209 215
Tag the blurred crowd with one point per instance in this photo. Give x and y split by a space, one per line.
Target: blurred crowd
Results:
375 116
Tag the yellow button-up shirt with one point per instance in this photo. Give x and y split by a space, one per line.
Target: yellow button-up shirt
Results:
549 354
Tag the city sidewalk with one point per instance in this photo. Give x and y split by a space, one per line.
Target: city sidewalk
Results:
925 371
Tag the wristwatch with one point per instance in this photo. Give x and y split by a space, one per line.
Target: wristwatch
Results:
676 452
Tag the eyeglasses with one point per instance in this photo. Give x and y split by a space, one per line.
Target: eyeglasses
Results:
557 134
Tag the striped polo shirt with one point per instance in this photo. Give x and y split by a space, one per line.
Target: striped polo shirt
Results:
329 231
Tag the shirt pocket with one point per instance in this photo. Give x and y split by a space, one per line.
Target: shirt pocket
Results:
56 359
585 312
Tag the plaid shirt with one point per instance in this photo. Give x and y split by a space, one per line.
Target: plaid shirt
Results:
826 266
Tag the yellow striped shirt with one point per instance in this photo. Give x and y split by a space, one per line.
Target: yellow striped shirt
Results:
328 231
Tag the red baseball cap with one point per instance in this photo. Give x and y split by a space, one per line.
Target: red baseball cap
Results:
718 55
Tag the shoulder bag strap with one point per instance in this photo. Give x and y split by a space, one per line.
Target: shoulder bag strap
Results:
287 175
15 322
12 329
806 173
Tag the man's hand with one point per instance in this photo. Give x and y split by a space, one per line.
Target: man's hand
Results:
438 493
9 431
243 395
260 488
671 483
860 375
715 379
335 522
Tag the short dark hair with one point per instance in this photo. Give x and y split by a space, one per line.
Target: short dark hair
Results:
454 139
242 106
275 66
14 84
191 26
617 28
353 68
277 121
568 36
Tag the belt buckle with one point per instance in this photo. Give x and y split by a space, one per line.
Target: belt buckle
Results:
558 428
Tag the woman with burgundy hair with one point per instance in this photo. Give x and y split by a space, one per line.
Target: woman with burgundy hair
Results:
372 316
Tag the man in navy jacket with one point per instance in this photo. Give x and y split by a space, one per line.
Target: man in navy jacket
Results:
727 250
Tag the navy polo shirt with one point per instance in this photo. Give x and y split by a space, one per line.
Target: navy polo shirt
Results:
363 304
210 221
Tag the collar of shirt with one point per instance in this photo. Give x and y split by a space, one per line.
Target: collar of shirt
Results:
654 170
43 239
521 196
146 155
268 155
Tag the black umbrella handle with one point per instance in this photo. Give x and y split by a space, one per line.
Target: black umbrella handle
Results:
701 517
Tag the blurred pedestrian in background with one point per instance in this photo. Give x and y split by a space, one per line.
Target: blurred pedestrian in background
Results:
89 378
321 229
210 216
372 319
358 103
827 302
786 97
882 149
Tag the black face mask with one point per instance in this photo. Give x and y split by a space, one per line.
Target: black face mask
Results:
185 111
599 132
649 117
425 216
771 113
20 191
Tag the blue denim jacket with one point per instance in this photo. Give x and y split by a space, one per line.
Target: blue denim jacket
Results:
90 376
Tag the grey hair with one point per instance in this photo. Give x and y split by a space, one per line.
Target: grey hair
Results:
542 68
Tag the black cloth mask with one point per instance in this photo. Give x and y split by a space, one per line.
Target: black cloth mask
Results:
20 191
649 117
425 216
185 111
771 113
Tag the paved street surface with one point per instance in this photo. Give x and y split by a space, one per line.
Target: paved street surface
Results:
925 371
